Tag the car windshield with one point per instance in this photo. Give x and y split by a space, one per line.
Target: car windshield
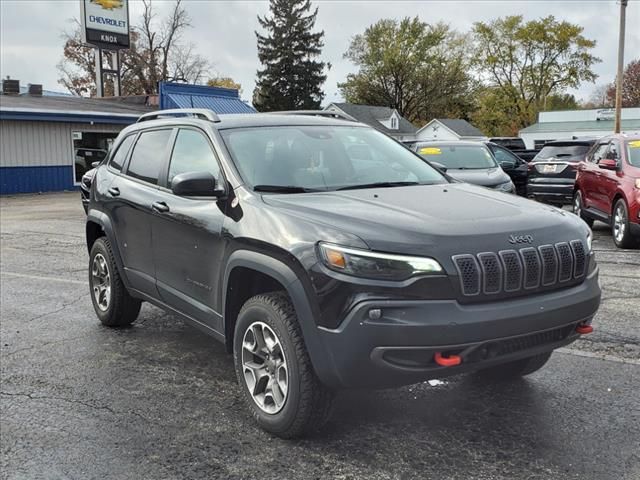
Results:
462 157
572 153
633 152
293 159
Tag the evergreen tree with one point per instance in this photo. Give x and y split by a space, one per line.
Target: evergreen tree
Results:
292 78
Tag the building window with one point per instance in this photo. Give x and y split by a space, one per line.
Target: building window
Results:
88 148
394 123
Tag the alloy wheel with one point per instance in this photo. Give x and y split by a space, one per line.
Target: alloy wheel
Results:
101 282
264 366
577 204
619 223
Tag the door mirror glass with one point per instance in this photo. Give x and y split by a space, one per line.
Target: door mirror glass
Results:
194 184
608 164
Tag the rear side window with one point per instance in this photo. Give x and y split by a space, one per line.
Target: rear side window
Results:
118 158
148 155
192 153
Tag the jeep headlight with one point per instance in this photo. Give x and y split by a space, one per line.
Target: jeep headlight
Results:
375 265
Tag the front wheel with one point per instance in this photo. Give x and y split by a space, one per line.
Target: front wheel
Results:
516 369
620 225
274 371
578 208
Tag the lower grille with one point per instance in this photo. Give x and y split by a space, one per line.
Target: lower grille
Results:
511 271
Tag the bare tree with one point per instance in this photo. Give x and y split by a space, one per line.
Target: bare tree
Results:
156 53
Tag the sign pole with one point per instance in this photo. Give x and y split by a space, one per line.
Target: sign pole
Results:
623 8
99 79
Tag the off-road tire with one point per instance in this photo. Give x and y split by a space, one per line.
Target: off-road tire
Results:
309 403
123 309
516 369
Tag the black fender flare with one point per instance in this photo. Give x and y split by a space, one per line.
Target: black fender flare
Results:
102 219
278 270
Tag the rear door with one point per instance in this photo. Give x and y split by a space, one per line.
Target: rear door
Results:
187 233
132 196
590 174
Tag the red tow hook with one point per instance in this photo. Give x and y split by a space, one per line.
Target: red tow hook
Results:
584 329
450 361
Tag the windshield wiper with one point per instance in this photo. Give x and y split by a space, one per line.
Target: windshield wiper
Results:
378 185
285 189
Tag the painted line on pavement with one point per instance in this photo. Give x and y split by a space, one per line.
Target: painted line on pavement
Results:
39 277
599 356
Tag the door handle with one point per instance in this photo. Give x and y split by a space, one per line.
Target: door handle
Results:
114 191
160 207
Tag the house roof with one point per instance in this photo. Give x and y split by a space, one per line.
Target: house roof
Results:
371 115
460 127
69 109
220 100
589 126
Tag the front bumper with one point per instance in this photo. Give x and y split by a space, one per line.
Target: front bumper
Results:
399 347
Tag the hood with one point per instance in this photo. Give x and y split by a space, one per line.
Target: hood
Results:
447 219
486 177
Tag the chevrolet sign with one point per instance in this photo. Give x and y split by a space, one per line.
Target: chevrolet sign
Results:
105 23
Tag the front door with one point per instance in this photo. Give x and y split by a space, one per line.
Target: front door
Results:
187 242
591 177
610 179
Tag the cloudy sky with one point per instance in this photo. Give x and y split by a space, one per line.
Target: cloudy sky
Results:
223 31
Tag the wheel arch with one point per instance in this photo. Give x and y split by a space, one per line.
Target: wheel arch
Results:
98 225
277 276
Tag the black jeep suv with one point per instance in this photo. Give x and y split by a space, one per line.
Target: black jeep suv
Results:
325 255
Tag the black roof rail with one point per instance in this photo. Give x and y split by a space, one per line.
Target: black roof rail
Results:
202 113
317 113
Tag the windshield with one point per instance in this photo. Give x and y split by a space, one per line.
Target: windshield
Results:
463 157
633 150
306 158
572 153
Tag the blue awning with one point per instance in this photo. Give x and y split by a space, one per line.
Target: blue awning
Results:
220 100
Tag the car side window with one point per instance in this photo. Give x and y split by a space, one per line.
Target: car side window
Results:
118 158
599 153
505 156
612 153
192 153
148 155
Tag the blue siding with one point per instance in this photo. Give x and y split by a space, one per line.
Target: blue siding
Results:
35 179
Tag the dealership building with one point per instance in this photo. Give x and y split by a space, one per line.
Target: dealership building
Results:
48 142
564 124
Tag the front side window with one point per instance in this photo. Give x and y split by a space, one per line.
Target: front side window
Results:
599 153
148 155
118 158
458 157
504 155
324 158
192 153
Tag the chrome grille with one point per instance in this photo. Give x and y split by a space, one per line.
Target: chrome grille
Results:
529 268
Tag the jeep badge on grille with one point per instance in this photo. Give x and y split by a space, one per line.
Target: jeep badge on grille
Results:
514 239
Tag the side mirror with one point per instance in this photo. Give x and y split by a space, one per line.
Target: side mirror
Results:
194 184
439 166
507 165
95 164
608 164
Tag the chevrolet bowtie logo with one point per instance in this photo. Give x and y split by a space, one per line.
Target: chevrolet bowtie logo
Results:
108 4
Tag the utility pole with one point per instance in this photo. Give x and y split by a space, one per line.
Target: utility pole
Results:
623 11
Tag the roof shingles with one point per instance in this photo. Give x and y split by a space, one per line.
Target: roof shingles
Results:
372 115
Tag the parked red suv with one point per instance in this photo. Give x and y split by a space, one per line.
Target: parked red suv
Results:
608 187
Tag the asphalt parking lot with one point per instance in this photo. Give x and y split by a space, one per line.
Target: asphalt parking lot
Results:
160 401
